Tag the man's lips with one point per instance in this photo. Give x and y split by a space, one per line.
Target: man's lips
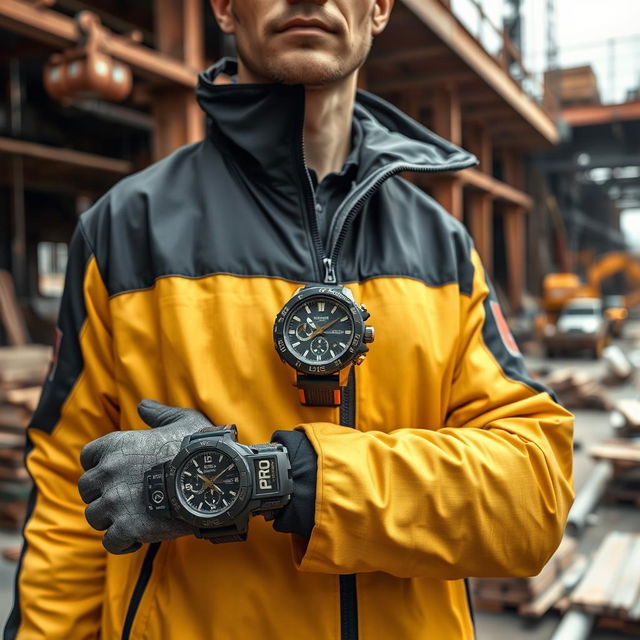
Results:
305 23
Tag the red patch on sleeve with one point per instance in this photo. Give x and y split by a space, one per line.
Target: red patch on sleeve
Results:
503 329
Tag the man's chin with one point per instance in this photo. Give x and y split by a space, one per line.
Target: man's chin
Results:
304 67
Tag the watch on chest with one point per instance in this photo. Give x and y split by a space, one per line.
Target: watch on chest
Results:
321 333
215 483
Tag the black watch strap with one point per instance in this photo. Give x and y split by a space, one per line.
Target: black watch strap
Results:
236 532
319 391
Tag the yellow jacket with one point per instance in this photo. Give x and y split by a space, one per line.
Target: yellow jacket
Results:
459 464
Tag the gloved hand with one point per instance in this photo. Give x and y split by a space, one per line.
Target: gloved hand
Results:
113 485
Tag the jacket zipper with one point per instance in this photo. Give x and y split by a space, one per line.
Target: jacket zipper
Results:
343 218
348 584
310 197
138 591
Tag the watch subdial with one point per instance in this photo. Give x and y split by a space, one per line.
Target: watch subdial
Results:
304 331
213 498
319 346
195 485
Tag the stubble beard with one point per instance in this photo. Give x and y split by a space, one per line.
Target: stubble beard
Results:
301 69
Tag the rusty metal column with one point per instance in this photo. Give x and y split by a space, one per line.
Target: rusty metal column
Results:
481 226
514 233
514 230
447 122
179 34
18 219
479 143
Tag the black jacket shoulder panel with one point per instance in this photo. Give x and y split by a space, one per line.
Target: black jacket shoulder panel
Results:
240 201
404 232
194 214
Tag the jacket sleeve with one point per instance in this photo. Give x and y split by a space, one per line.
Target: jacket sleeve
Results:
486 494
60 578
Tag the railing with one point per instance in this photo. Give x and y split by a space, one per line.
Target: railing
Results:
483 23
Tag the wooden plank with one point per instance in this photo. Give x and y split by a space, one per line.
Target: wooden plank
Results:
10 146
548 598
499 190
10 312
14 417
596 588
24 396
616 452
628 587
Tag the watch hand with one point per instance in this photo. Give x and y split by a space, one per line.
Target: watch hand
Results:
311 323
319 330
216 477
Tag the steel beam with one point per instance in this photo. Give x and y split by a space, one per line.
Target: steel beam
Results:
13 147
497 189
59 31
451 32
588 115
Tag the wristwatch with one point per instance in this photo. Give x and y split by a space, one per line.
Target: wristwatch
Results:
215 483
321 333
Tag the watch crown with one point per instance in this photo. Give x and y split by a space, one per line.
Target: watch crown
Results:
360 359
369 334
365 312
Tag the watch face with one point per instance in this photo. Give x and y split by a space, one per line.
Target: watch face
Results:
208 482
319 330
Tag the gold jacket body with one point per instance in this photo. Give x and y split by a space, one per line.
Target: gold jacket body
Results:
459 464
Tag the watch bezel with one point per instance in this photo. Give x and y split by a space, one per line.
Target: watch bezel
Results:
356 346
244 487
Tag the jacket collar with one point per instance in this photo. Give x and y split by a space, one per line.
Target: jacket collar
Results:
261 125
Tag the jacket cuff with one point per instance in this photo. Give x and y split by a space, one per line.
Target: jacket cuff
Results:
299 515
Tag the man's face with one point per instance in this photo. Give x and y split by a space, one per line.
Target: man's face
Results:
312 42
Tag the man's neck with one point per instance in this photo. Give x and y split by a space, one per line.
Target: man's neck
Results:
327 125
327 122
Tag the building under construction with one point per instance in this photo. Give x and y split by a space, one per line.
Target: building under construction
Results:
60 151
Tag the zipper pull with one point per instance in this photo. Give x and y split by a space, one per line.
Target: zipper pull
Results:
329 271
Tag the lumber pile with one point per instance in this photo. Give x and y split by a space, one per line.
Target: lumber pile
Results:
624 457
577 389
575 86
22 371
610 587
625 418
532 597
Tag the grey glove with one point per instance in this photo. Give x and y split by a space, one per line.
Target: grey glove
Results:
113 485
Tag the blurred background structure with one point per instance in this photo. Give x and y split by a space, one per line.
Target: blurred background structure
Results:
546 93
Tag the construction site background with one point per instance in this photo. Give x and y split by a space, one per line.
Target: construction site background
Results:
546 94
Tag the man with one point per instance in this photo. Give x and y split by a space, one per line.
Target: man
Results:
459 465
